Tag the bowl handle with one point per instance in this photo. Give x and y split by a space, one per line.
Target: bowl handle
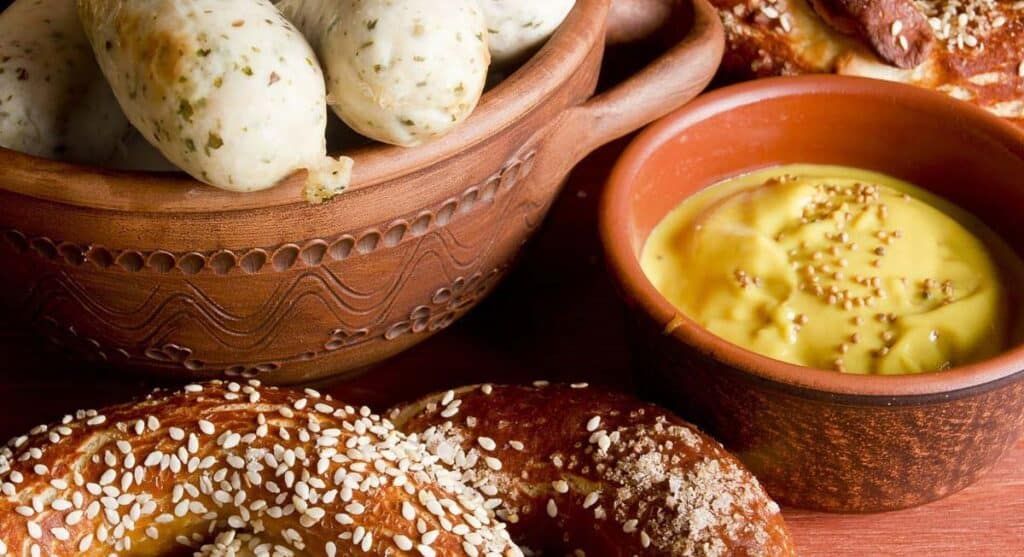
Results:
669 82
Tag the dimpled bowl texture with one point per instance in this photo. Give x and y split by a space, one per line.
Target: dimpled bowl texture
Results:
158 274
821 439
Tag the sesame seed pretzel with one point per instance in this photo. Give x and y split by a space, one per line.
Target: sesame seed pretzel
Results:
301 472
582 471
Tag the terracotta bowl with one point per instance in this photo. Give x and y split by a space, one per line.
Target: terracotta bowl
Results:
160 274
821 439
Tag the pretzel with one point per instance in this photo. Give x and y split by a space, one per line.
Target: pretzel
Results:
972 50
582 471
303 473
897 30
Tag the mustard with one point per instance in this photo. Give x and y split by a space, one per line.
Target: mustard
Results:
836 268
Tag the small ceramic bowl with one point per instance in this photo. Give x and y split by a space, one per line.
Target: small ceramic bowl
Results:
820 439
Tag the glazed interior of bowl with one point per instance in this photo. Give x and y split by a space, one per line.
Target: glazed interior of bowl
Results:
960 153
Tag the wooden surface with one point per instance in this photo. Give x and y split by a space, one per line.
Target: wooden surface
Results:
556 318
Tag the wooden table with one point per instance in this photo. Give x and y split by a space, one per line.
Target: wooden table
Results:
556 318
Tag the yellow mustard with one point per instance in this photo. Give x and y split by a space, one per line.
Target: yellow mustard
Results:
836 268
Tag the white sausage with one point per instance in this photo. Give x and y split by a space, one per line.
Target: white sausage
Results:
515 28
54 102
228 90
399 71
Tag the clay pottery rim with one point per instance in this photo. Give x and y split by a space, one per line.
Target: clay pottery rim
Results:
176 192
615 216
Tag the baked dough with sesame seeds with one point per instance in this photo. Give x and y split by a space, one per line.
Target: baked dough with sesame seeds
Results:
578 470
972 50
304 474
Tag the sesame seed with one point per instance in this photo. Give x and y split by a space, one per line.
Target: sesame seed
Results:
403 543
61 504
593 423
206 427
231 440
552 508
355 508
560 486
408 511
108 477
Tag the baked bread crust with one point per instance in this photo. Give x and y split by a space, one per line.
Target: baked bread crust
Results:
585 471
306 474
977 55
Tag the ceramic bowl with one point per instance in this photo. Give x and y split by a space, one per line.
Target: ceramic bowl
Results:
162 275
822 439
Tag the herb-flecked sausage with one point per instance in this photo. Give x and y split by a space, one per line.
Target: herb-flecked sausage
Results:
399 71
54 102
227 90
515 28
